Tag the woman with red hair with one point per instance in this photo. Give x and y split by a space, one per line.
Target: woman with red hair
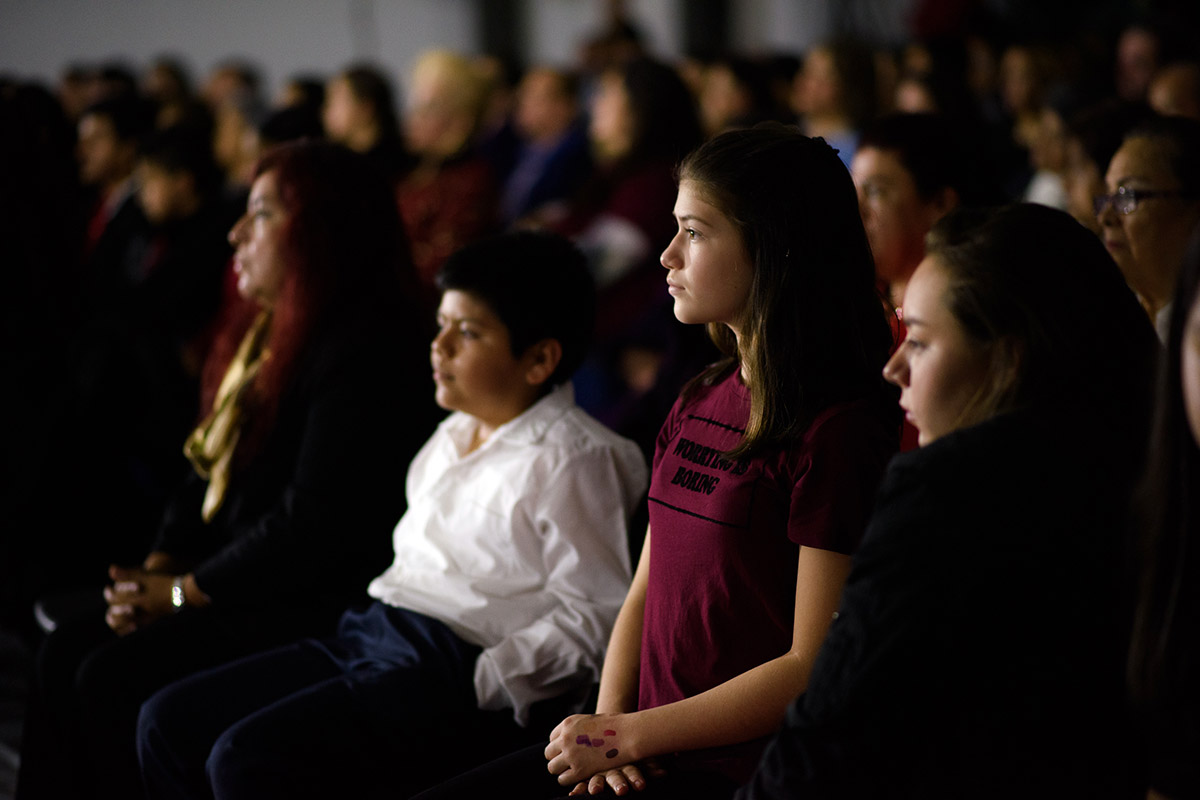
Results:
299 469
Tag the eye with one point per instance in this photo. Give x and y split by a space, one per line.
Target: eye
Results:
468 332
914 344
692 234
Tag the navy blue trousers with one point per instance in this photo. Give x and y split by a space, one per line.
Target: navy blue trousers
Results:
383 709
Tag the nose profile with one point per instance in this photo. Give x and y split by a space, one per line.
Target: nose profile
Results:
235 233
895 371
668 258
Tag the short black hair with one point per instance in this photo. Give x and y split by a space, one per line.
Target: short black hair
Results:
539 286
132 118
928 148
183 149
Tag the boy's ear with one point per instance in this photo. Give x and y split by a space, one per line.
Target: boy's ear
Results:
541 359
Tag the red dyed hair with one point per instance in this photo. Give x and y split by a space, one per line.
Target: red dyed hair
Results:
344 252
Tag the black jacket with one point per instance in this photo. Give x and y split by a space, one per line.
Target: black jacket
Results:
979 646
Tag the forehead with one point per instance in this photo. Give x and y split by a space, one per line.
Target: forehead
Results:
460 304
692 200
874 161
1139 157
925 296
265 188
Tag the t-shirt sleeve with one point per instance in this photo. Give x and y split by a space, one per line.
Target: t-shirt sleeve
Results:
843 458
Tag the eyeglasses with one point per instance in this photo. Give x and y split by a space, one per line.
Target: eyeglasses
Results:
1125 201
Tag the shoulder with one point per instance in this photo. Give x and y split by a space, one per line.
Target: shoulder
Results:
575 434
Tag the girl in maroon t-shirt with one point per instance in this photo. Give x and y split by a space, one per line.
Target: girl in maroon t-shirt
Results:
763 475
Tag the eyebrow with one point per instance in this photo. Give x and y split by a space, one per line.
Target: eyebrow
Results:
693 218
460 320
911 321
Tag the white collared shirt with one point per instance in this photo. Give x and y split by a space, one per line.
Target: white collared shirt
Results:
520 547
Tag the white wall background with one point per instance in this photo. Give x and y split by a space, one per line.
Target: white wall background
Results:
38 38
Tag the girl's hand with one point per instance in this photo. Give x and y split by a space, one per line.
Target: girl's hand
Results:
585 745
620 780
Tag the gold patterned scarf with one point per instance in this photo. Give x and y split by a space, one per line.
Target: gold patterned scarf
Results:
210 446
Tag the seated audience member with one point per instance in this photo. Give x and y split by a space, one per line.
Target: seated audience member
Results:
761 483
1175 90
510 565
736 93
1152 206
1094 134
304 90
448 199
148 354
1139 53
835 93
552 157
909 170
1164 653
287 511
232 93
978 650
643 121
359 112
110 133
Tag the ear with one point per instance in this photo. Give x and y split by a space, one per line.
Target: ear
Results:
945 201
540 361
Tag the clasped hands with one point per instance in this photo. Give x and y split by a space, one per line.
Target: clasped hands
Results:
139 595
587 750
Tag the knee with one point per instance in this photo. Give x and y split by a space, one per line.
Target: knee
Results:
155 720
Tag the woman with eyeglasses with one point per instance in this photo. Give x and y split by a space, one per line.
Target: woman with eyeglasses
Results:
1152 206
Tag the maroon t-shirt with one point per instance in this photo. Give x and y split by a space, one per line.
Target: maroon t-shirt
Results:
726 536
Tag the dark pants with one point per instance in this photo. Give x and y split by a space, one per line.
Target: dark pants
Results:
523 774
89 684
379 710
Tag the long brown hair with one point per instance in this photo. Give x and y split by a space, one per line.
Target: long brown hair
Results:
815 331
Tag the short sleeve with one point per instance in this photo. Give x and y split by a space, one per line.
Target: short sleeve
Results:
845 453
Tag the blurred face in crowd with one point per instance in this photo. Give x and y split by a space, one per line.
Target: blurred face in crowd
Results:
722 99
612 127
942 373
341 113
104 159
894 214
543 111
257 240
1149 242
1175 91
165 195
816 87
1137 59
1190 368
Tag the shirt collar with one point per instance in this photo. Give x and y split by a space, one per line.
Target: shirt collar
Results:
527 427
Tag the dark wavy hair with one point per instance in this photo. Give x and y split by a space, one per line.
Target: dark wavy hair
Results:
345 255
815 331
1164 650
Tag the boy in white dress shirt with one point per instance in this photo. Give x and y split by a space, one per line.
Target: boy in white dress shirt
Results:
512 561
